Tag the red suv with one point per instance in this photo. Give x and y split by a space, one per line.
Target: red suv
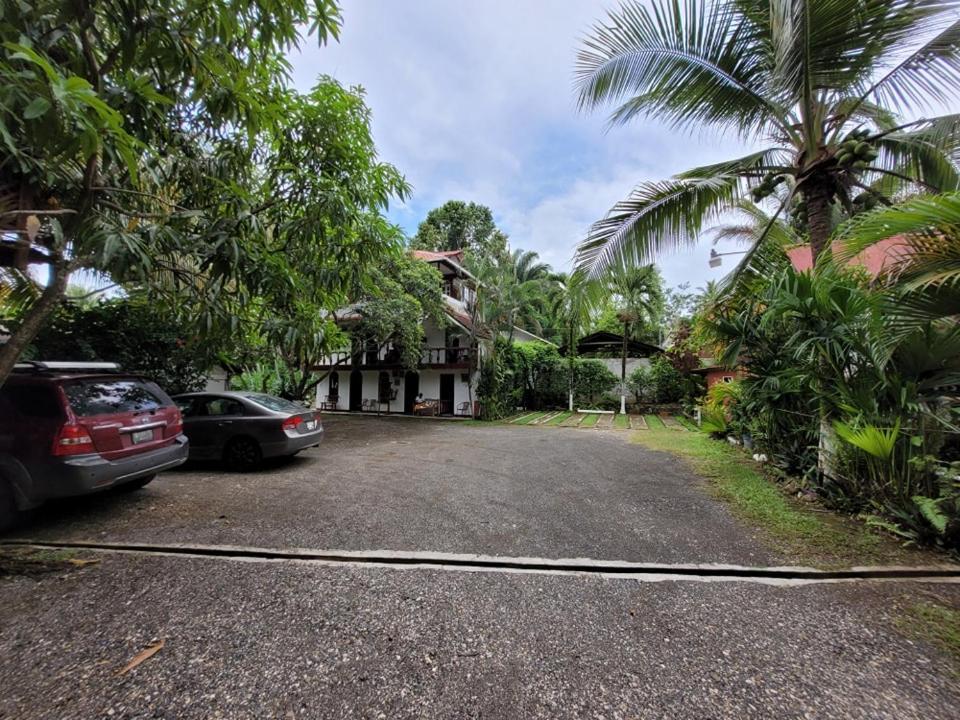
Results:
71 429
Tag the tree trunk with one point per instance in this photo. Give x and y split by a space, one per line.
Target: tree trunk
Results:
817 197
623 372
827 448
34 318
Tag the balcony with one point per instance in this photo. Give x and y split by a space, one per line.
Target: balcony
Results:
430 357
446 357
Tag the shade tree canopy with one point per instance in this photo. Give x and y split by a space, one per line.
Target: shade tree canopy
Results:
459 225
130 133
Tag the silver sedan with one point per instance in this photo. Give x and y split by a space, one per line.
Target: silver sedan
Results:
241 428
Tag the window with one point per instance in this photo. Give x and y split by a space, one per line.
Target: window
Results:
334 385
728 378
185 405
271 402
222 406
106 397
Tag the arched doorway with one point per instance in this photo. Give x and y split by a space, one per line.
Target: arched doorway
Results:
356 390
334 387
411 388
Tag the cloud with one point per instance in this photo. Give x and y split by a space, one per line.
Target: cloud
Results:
475 101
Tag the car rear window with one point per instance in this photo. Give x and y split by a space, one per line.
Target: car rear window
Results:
35 401
106 397
274 403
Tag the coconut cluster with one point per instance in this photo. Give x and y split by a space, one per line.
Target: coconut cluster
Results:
856 152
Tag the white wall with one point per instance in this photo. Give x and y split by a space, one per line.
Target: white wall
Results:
613 364
217 380
429 388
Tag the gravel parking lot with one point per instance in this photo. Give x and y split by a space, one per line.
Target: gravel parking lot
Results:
404 484
285 639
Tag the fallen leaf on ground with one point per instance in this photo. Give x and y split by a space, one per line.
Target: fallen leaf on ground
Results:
141 656
81 562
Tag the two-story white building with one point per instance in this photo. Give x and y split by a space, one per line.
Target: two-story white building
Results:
371 378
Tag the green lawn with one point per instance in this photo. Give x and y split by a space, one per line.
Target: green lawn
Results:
800 533
935 623
559 418
589 420
653 422
621 421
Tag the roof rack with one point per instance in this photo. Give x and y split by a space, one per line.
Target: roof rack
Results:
65 366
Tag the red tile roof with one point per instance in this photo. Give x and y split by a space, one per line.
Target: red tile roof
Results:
431 256
875 258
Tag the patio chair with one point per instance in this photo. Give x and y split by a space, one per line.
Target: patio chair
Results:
464 408
329 402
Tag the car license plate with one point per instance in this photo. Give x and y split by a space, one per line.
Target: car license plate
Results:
311 424
142 436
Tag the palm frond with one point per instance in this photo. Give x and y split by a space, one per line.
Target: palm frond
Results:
685 62
859 110
931 74
756 164
928 151
737 233
873 440
768 237
924 269
18 291
927 224
656 217
909 310
830 44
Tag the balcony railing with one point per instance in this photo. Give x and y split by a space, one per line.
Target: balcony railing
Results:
429 356
445 356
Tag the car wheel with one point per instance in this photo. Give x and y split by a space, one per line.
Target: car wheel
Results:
242 454
137 484
9 514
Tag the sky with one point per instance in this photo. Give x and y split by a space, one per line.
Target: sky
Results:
474 101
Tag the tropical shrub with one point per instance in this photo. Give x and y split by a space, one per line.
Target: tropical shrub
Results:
592 380
542 375
275 376
133 332
843 390
535 376
640 383
667 382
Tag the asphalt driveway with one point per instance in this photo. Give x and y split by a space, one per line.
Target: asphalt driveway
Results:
247 638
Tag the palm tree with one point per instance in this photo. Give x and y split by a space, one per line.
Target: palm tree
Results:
820 82
524 280
512 284
636 290
574 299
525 266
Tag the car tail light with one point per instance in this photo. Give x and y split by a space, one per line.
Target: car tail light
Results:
176 427
292 423
72 440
